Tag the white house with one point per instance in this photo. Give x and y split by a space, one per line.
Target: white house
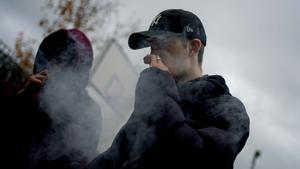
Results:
112 85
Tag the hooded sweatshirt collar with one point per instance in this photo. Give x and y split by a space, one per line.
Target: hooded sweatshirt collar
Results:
202 88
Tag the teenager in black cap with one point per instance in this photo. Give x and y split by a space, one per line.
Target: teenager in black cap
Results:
181 118
53 122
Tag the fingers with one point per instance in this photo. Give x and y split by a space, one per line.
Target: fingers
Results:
33 79
44 72
39 78
158 60
36 79
155 61
147 59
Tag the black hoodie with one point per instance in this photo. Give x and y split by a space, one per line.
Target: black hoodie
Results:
197 124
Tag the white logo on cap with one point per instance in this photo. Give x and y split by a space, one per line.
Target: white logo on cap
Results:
189 29
155 20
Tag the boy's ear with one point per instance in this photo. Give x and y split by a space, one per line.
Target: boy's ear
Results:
195 45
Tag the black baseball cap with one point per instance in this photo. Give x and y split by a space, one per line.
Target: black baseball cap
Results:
171 22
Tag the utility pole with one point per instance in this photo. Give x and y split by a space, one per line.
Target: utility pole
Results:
256 155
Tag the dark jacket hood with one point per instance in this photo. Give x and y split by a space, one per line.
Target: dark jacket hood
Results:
66 48
202 88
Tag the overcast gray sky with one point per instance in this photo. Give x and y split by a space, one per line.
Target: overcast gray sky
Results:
253 44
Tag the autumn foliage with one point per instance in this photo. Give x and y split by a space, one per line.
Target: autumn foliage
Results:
86 15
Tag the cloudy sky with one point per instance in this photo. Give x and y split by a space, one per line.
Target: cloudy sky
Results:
253 44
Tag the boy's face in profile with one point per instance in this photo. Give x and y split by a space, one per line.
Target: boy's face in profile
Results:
174 52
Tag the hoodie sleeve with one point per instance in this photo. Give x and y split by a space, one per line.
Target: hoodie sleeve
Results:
157 97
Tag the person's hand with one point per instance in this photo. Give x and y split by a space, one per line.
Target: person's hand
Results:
155 61
35 81
38 78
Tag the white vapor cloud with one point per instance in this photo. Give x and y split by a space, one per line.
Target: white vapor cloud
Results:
253 44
